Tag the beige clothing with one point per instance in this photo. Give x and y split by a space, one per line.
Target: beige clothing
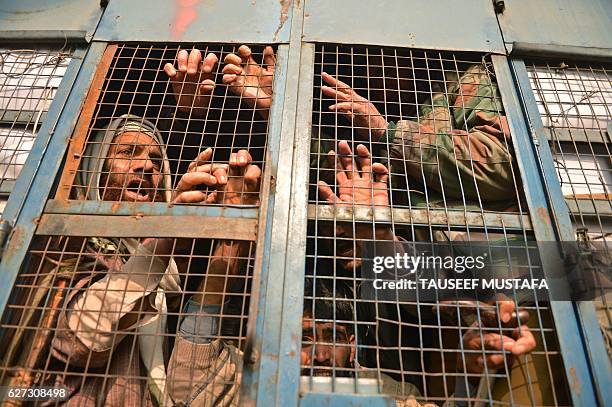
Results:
210 374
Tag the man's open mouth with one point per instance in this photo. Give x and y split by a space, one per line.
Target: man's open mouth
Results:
139 190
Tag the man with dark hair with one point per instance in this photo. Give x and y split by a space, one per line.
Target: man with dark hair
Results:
329 316
330 342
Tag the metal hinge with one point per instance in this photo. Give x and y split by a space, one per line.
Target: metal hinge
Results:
499 5
5 230
588 264
582 237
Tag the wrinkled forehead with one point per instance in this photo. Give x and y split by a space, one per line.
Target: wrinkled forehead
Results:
308 323
135 138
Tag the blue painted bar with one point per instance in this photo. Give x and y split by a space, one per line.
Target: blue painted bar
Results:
594 341
42 166
405 23
233 21
343 400
567 325
255 374
271 376
147 209
295 260
275 377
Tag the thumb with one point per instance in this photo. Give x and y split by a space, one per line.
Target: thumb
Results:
269 58
326 193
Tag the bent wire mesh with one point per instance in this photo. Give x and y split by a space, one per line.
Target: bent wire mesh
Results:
102 315
29 79
412 148
575 104
135 94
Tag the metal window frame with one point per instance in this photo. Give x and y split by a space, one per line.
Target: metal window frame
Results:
33 214
22 117
577 318
36 179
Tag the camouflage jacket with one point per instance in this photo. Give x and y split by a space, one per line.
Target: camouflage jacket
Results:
458 150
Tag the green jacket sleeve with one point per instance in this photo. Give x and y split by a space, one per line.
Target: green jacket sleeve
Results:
460 145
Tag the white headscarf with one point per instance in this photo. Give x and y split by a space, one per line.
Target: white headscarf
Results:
96 152
151 335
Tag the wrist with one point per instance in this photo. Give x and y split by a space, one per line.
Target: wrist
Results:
264 113
388 134
380 130
159 246
384 233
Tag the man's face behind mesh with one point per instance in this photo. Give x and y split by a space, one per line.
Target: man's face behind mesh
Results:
327 348
132 170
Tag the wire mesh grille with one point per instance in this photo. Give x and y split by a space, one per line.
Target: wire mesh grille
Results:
432 144
29 79
575 103
424 121
103 317
182 117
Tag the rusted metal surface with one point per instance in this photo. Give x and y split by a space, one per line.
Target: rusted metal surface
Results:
405 23
285 4
59 206
599 207
50 19
251 22
79 137
149 226
422 217
559 23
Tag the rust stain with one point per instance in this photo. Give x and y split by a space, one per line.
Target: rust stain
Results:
574 382
543 215
285 4
79 136
15 239
186 14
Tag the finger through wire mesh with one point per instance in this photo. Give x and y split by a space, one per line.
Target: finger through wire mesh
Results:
29 79
413 146
181 116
